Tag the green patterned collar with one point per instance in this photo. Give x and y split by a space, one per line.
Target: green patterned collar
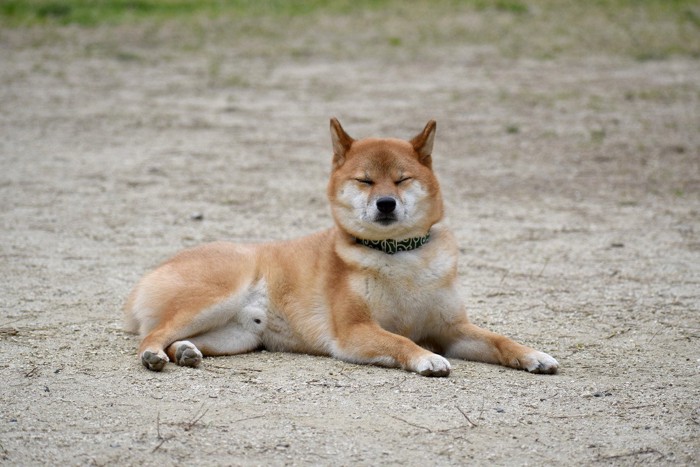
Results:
390 246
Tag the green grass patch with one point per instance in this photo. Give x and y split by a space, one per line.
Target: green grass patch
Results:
545 29
95 12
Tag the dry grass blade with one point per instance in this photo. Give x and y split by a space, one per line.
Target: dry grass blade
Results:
471 423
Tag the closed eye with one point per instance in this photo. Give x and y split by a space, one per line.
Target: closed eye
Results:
365 181
402 180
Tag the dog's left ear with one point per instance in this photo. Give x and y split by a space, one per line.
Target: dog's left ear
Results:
341 142
423 143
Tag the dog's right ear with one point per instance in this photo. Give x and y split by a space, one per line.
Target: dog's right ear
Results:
341 142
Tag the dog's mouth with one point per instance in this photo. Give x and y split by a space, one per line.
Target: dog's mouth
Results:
385 219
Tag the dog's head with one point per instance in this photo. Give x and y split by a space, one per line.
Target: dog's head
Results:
384 188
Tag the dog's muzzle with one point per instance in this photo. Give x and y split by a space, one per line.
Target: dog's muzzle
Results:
386 205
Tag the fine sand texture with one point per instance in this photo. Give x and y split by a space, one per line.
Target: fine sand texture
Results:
571 176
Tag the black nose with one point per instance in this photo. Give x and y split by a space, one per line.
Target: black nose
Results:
386 204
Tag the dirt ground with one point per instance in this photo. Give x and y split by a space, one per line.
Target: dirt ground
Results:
572 184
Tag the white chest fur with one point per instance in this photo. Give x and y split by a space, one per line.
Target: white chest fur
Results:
410 292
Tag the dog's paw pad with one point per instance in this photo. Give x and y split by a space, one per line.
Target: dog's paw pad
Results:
188 355
432 365
154 361
539 362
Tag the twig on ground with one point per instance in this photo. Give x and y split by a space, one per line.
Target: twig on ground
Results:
632 407
481 411
617 333
471 424
160 444
544 266
503 277
654 335
576 415
10 322
187 426
248 418
197 417
412 424
399 383
636 452
159 436
220 367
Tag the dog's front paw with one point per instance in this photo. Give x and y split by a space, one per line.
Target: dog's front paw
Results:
432 365
154 361
538 362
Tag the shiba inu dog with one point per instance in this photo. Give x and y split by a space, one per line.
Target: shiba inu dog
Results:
376 288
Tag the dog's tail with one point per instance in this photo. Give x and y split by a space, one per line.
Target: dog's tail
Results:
131 324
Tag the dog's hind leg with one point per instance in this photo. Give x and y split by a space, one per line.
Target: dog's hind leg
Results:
184 353
231 339
167 335
232 326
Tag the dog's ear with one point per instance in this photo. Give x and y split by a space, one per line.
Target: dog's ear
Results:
423 143
341 142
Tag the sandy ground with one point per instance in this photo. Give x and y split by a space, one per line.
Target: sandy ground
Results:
573 185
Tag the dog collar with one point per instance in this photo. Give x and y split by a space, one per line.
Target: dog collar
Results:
390 246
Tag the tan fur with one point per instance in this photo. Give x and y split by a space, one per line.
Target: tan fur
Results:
325 294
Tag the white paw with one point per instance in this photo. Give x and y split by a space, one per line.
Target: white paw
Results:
187 354
431 365
154 361
539 362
